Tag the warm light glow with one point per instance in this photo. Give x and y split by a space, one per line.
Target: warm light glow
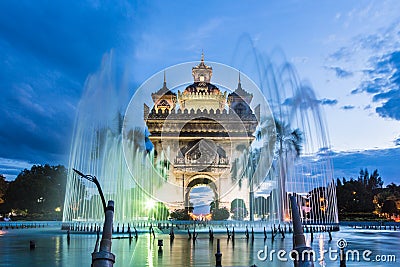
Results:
150 204
200 217
58 209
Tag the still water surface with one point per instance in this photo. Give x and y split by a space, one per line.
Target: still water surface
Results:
52 249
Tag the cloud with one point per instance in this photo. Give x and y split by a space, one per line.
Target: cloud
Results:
348 164
303 104
382 76
45 59
343 53
390 109
370 87
397 142
348 107
10 168
201 197
373 41
382 81
329 102
340 72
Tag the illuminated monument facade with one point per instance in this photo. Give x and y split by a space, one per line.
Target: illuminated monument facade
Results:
200 133
200 129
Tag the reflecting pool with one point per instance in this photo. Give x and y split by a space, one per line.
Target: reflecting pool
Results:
52 248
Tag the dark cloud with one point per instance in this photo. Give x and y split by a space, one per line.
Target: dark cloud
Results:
383 82
348 164
371 87
367 107
340 72
329 102
68 35
390 109
348 107
397 142
46 52
304 104
382 77
386 95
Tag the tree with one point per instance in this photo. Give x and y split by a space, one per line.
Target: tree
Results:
180 215
3 187
220 214
289 145
248 166
38 190
389 207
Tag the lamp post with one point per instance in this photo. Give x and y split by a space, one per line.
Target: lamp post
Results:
103 257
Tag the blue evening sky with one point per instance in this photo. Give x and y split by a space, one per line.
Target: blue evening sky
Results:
349 51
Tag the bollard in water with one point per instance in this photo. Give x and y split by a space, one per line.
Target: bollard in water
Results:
171 234
218 256
160 244
32 244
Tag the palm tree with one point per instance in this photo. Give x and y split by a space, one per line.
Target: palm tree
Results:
288 148
247 165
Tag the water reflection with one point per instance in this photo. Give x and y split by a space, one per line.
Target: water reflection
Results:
52 249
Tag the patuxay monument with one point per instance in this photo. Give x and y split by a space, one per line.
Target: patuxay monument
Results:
204 130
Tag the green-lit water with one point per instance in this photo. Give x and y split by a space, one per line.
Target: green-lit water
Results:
52 248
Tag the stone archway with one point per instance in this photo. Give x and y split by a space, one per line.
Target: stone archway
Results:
200 180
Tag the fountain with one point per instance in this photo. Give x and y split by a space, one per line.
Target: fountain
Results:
288 156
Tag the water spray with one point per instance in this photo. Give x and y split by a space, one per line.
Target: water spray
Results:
96 182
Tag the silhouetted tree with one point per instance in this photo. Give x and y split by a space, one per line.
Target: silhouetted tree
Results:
389 207
3 187
180 215
38 190
220 214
